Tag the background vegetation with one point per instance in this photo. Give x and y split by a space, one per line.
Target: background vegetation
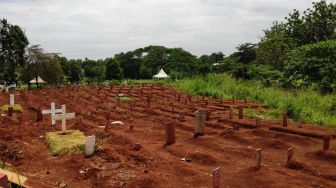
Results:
292 67
309 104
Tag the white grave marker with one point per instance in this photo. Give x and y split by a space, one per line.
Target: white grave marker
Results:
63 116
11 99
53 112
90 145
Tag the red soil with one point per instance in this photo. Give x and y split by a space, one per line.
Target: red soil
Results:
139 158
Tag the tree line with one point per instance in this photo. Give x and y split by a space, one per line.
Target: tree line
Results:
298 52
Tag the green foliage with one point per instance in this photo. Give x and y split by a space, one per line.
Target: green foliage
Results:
113 70
313 63
303 48
94 70
40 63
314 25
13 42
143 63
16 108
274 47
212 59
71 69
314 107
124 99
72 142
246 54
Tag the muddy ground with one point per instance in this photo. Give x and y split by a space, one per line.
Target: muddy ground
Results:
140 158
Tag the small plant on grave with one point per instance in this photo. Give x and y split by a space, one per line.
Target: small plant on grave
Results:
124 99
17 108
248 112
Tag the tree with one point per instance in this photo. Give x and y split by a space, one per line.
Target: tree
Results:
212 59
40 63
313 63
274 47
113 70
313 25
130 63
246 54
76 73
13 42
94 70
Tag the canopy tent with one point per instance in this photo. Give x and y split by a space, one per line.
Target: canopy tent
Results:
39 80
161 74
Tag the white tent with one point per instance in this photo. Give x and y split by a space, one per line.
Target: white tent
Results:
161 74
39 80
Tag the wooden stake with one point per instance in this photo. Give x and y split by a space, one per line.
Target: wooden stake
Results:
326 142
290 154
258 159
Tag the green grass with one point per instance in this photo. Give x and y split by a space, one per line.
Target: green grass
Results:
311 105
17 108
72 142
124 99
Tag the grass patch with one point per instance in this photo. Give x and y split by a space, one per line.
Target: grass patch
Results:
124 99
17 108
269 114
72 142
311 105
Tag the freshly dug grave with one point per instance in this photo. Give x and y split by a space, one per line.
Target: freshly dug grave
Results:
140 158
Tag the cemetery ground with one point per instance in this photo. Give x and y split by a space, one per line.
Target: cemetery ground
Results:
136 152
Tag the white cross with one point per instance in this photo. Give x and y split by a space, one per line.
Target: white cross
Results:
64 116
53 112
11 99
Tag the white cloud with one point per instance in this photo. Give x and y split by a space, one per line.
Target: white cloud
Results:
101 28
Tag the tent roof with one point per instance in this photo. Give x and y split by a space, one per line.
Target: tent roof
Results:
161 74
39 80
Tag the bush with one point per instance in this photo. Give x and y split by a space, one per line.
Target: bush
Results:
313 63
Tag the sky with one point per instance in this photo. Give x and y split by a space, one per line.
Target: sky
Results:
98 29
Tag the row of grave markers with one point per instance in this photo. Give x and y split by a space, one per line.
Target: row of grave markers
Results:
199 130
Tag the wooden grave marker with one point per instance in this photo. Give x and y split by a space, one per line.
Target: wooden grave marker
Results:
170 133
326 142
231 112
258 159
216 176
290 154
200 122
285 119
240 112
258 122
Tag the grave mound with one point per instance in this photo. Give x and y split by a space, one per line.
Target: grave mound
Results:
73 141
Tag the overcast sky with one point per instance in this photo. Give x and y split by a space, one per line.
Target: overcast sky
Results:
102 28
